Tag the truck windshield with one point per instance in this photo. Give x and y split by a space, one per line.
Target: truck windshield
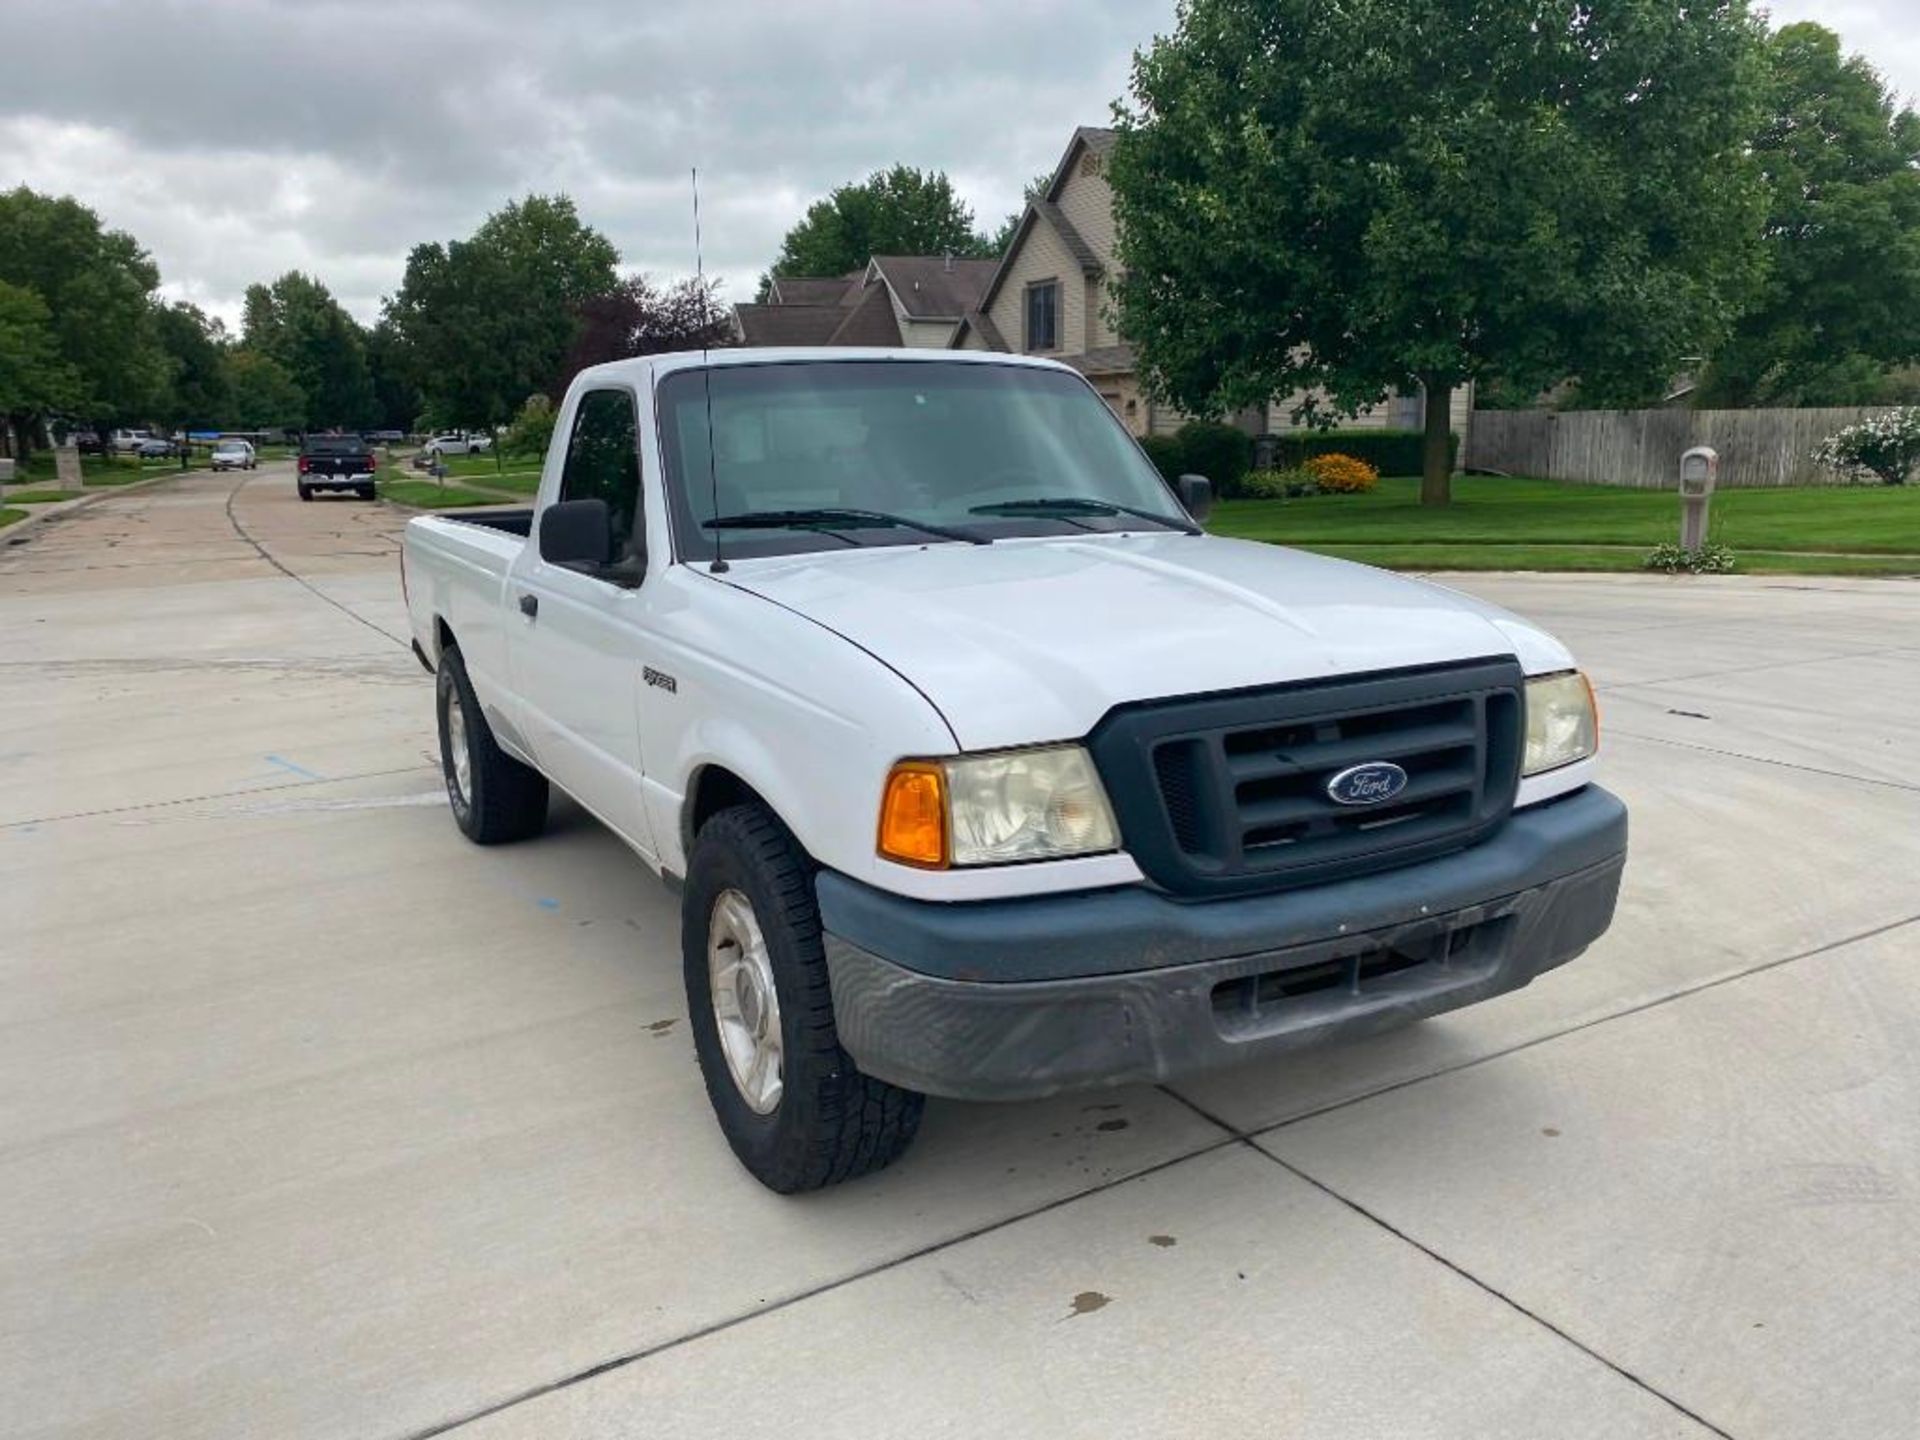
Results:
977 449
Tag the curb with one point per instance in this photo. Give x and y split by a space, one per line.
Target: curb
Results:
14 533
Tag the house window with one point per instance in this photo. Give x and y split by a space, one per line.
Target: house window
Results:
1043 315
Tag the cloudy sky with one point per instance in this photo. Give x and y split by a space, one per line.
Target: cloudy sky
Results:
242 138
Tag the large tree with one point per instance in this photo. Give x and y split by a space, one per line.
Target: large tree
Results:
1351 197
489 320
638 317
97 286
33 377
298 324
261 394
902 211
1841 302
396 383
195 347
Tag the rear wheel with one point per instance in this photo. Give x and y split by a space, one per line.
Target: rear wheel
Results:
306 493
365 492
796 1110
494 797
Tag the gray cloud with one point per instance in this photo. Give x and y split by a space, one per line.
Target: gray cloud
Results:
240 138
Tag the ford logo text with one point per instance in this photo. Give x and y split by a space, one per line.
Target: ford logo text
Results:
1373 783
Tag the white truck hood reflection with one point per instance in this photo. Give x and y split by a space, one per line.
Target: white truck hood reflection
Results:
1031 640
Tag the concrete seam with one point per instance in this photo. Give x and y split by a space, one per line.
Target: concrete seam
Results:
215 795
299 580
1761 759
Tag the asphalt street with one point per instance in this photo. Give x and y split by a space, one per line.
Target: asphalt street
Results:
317 1121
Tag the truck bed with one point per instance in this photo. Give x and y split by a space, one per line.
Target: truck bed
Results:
513 519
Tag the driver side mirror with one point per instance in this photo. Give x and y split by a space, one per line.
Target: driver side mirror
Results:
1196 494
577 533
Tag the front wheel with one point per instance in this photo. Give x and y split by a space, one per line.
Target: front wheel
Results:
494 797
796 1110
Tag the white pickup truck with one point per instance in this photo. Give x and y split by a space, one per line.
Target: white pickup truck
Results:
979 768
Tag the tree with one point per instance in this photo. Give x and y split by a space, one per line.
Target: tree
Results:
1349 198
396 387
298 324
489 320
902 211
1842 298
638 318
195 346
261 394
97 286
33 377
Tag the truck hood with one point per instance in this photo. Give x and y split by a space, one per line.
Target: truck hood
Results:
1031 640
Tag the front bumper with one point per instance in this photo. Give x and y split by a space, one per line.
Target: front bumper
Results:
1007 999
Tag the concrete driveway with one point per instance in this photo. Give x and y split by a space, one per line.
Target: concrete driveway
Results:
317 1121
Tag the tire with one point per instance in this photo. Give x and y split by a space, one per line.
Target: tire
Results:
498 800
365 492
827 1122
306 493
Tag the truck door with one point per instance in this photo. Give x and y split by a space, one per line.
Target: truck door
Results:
575 642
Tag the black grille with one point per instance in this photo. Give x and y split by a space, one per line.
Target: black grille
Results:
1227 793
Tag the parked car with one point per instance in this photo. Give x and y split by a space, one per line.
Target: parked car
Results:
87 442
335 462
458 442
127 442
385 437
979 768
233 455
155 448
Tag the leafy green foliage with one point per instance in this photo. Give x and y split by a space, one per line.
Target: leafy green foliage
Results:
1341 198
1168 455
1293 483
97 286
1712 558
1220 452
261 394
1883 447
1841 300
488 320
33 377
637 317
195 346
902 211
298 324
1391 452
531 429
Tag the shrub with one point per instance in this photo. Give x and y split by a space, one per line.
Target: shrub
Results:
1219 452
1712 558
1167 454
1885 447
1390 452
1280 484
1343 475
532 428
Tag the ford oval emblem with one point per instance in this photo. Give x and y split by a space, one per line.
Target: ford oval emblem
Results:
1374 783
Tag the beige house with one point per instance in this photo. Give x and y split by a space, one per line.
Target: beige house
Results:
913 300
1049 296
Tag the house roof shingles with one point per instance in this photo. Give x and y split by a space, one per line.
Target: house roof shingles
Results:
788 324
936 287
870 322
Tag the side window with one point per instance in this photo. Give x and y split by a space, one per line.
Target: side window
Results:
603 462
1043 311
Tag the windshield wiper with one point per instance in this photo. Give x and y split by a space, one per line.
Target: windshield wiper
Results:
1066 505
827 517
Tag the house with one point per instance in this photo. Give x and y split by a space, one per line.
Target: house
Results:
1049 295
913 300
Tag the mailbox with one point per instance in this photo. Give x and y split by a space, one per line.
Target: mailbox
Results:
1699 470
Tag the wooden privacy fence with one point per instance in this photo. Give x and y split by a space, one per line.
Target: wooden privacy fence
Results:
1642 448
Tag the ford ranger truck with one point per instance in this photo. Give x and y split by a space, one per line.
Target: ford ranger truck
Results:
980 770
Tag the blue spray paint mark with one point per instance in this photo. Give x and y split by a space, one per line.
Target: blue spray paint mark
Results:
296 769
547 903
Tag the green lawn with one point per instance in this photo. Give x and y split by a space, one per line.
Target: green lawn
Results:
1499 524
480 467
426 495
7 517
41 497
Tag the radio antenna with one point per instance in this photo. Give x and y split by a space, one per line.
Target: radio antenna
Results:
719 565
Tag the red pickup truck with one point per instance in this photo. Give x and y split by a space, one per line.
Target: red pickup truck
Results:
336 462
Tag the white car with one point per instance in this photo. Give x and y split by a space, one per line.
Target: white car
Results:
979 768
458 442
233 455
128 442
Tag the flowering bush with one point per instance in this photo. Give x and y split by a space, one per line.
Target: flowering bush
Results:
1289 484
1342 474
1711 558
1886 448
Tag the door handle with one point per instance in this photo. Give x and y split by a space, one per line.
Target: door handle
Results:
530 605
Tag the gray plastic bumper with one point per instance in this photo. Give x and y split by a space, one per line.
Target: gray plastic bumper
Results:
999 1000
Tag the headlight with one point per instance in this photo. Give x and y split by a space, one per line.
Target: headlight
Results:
1562 724
996 809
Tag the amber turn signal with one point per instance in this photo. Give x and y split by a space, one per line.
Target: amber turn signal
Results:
913 815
